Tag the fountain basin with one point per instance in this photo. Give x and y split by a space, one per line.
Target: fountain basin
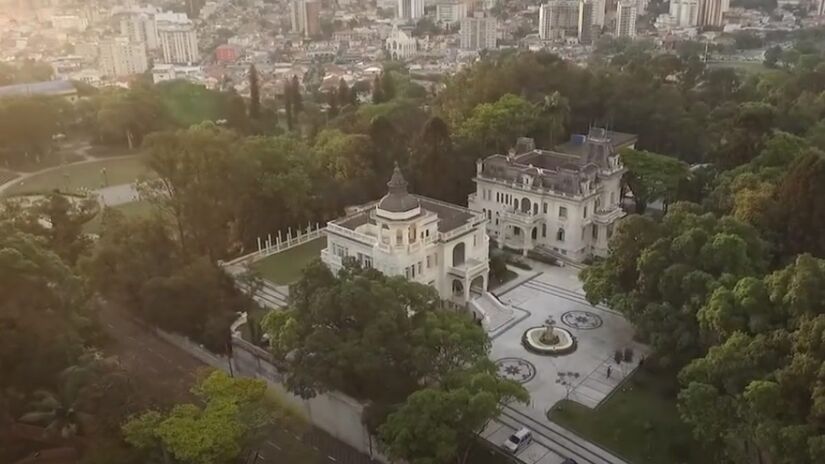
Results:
565 342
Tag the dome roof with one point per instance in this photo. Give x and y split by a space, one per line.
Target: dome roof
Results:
398 200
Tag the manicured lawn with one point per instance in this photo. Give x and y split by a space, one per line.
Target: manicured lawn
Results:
190 104
285 268
640 423
134 209
84 175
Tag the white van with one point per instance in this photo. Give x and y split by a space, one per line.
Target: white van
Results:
518 441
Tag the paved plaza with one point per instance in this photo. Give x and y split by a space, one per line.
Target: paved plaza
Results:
555 295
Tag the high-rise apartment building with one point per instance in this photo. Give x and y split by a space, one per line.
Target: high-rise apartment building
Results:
559 19
626 19
685 13
599 12
140 27
313 15
177 38
410 9
450 12
712 12
587 30
306 17
478 32
120 57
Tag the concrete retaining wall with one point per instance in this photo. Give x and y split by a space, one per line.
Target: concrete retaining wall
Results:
334 412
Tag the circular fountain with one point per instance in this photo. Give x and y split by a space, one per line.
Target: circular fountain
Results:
548 340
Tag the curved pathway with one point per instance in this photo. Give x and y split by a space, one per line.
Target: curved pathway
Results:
112 195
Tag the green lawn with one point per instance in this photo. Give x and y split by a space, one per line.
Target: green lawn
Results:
84 175
639 422
135 209
189 103
285 268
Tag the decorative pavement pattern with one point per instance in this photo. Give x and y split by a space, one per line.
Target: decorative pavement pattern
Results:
582 320
520 370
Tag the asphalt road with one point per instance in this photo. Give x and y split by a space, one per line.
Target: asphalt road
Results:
165 374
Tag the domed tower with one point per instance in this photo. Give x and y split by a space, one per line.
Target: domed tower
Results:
396 212
398 204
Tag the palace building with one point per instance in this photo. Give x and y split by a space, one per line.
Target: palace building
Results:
562 202
426 240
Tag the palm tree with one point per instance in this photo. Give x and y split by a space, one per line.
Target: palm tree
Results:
60 412
55 412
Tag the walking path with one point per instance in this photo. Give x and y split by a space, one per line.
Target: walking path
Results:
22 176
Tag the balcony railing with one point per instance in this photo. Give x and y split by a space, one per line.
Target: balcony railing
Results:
468 268
608 216
358 236
522 217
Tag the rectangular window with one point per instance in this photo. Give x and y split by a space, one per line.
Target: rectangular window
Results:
407 272
367 262
339 251
595 232
475 240
498 197
429 262
419 267
544 208
585 211
562 212
399 237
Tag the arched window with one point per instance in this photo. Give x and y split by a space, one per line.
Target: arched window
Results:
560 235
525 205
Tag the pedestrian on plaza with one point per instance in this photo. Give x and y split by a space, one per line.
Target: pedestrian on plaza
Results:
609 371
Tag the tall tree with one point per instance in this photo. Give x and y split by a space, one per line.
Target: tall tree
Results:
801 216
297 100
433 152
231 415
388 85
440 424
346 96
45 315
254 93
494 127
377 91
651 176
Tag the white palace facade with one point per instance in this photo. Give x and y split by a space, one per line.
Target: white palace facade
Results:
562 202
426 240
